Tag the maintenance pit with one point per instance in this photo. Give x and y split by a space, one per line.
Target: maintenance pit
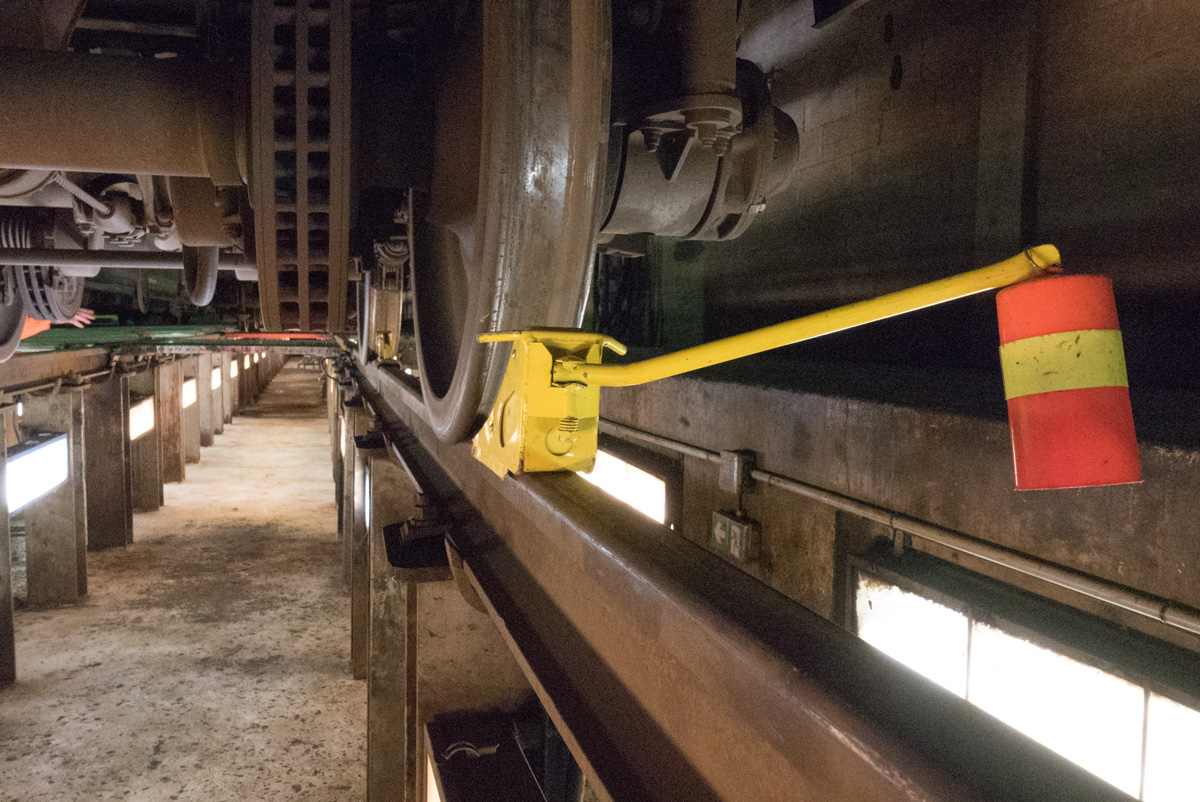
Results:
599 399
209 658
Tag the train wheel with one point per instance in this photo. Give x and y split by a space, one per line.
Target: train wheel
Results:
508 245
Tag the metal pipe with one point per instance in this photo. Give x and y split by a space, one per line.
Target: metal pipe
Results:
89 263
1030 264
630 433
1162 610
111 114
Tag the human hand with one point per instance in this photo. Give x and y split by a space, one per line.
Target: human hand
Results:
82 318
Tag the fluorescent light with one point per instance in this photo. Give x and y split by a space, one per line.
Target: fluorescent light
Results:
247 362
20 409
233 369
926 636
216 380
256 359
431 786
1172 732
1088 716
189 393
367 498
141 418
1119 731
36 471
643 491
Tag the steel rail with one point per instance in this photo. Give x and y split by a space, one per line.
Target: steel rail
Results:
1162 610
672 674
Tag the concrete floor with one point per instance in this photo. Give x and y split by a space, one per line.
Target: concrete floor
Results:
211 659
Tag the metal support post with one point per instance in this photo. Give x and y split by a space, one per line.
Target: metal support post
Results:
245 387
391 685
347 484
227 386
205 399
146 448
191 412
108 455
331 413
218 393
338 438
236 361
169 410
360 611
8 645
56 523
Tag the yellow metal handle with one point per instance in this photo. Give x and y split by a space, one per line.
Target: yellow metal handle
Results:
1029 264
499 337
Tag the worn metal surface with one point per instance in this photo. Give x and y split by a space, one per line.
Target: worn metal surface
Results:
55 537
673 674
167 110
107 450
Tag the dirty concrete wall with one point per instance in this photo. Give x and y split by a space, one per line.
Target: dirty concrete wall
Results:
946 468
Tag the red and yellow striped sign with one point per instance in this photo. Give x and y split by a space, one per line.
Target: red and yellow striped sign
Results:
1066 385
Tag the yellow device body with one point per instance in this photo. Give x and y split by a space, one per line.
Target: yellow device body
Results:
536 423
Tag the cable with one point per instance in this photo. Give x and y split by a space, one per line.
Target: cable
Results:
78 192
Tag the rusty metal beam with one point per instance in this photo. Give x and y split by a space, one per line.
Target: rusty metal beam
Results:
672 674
26 371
